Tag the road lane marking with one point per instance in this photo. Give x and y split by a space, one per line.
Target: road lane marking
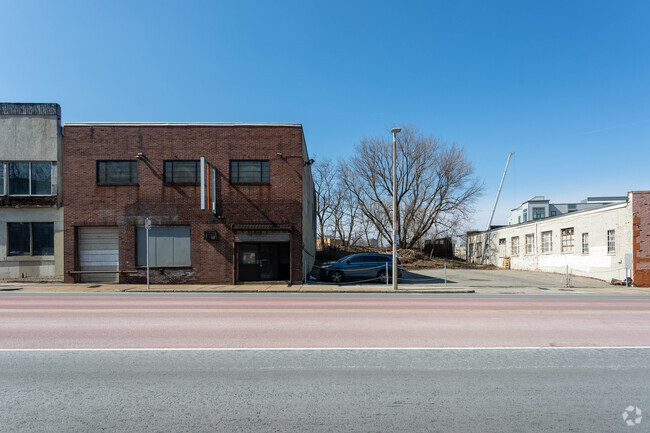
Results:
311 310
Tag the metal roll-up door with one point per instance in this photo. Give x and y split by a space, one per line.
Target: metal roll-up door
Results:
98 251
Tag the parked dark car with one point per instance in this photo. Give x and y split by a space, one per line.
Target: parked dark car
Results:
360 266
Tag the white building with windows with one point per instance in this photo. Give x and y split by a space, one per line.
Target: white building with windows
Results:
538 207
602 242
31 216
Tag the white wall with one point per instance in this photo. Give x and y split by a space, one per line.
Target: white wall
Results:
597 264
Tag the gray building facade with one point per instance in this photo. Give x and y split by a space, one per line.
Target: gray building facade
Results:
31 213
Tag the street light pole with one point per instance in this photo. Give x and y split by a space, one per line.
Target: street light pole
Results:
395 233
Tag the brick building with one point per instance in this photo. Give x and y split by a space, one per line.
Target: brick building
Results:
228 203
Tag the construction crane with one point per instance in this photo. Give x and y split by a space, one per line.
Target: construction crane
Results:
494 208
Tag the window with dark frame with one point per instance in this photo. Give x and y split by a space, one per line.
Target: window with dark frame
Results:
539 213
30 239
181 172
249 171
117 172
26 178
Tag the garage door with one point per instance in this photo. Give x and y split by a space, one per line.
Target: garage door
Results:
98 251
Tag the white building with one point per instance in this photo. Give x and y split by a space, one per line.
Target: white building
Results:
538 207
31 216
600 242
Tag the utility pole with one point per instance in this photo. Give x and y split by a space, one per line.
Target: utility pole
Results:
395 232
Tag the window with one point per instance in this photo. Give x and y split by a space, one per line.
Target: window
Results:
168 246
181 171
471 251
249 171
30 239
567 240
514 243
547 242
502 241
27 178
530 244
117 172
585 243
525 215
539 213
553 213
611 241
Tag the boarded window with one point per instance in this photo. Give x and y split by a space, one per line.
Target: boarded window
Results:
567 240
168 246
249 172
181 171
117 172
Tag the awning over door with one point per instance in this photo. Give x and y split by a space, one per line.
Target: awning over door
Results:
262 232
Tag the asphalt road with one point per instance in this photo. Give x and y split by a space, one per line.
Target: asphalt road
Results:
469 390
319 363
168 321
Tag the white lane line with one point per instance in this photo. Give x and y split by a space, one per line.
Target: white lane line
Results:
317 349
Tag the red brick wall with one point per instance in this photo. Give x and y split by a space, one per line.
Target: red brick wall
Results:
641 238
89 204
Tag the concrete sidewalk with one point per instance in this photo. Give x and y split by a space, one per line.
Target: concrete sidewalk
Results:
223 288
318 287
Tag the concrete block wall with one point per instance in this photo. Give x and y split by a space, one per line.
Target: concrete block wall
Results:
126 206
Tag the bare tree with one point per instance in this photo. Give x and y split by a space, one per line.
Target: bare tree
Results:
324 174
435 184
345 214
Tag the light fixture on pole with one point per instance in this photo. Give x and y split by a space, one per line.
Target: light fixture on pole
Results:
395 233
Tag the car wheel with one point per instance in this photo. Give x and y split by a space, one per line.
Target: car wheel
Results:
336 277
382 277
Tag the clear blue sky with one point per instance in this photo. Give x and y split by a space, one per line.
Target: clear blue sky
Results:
563 84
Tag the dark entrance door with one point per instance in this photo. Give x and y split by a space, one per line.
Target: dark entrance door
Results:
263 261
